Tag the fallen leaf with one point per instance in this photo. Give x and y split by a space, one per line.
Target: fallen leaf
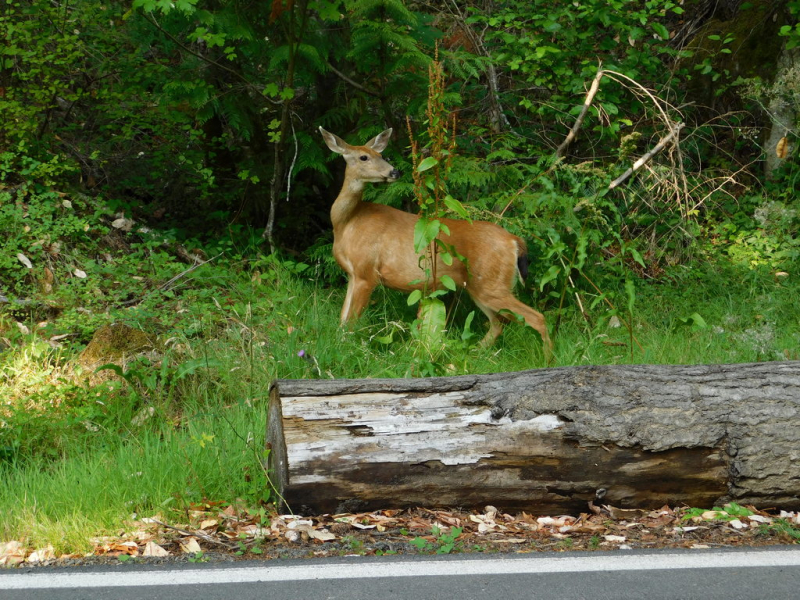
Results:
252 530
142 416
189 545
153 549
24 260
79 274
209 523
123 224
292 535
624 514
614 538
760 519
710 515
322 535
782 148
11 553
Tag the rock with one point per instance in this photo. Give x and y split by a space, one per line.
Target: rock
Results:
117 344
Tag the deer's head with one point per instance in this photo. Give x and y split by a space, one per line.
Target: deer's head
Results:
364 163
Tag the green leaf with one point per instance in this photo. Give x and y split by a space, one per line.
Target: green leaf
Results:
432 319
636 256
191 366
425 231
414 297
328 11
448 282
630 292
187 6
467 334
427 163
111 367
551 274
385 339
695 321
446 257
542 50
661 31
455 206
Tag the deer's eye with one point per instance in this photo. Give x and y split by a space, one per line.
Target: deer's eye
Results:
364 157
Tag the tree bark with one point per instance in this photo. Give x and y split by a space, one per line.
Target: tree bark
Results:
547 441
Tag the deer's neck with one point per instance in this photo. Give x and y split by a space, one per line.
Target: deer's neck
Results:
346 202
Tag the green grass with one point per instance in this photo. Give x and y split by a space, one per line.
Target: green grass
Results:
93 490
78 461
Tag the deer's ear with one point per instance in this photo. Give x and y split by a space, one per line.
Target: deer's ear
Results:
380 141
334 142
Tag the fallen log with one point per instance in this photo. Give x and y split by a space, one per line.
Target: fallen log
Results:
547 441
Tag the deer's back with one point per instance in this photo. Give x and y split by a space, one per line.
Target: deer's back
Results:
377 244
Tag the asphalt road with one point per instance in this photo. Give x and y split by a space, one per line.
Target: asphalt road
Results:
752 574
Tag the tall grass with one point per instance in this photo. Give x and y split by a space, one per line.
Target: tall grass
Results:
192 428
96 489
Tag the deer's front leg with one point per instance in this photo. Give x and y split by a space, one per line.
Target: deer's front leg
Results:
358 294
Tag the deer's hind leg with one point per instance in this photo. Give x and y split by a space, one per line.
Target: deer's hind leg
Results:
491 307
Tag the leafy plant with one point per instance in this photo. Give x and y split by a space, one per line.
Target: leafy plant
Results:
430 190
729 512
444 542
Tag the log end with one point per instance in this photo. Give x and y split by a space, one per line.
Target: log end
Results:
277 457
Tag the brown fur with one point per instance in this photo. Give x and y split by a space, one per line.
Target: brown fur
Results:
374 244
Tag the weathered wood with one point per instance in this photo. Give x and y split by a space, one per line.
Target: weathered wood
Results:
544 440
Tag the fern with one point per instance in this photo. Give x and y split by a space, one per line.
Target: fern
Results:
312 57
310 155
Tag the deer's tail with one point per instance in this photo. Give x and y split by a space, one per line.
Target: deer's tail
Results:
522 259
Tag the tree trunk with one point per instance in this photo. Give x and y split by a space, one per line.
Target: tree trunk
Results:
546 441
782 108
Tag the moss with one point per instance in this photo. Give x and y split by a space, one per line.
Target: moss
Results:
116 343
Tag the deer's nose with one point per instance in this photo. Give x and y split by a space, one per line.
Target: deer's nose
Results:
395 174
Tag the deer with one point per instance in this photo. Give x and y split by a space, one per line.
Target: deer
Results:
374 245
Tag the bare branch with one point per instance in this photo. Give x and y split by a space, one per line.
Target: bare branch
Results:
644 159
579 121
355 84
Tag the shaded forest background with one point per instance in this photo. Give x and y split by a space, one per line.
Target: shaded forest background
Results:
200 117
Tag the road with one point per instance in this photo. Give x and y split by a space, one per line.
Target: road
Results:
751 574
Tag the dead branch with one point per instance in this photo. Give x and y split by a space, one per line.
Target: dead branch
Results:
644 159
585 109
201 534
347 79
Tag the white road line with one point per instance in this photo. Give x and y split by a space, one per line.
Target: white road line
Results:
274 571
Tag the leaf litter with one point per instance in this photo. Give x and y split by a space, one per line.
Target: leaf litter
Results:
220 530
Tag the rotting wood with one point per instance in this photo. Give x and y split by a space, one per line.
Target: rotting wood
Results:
546 440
